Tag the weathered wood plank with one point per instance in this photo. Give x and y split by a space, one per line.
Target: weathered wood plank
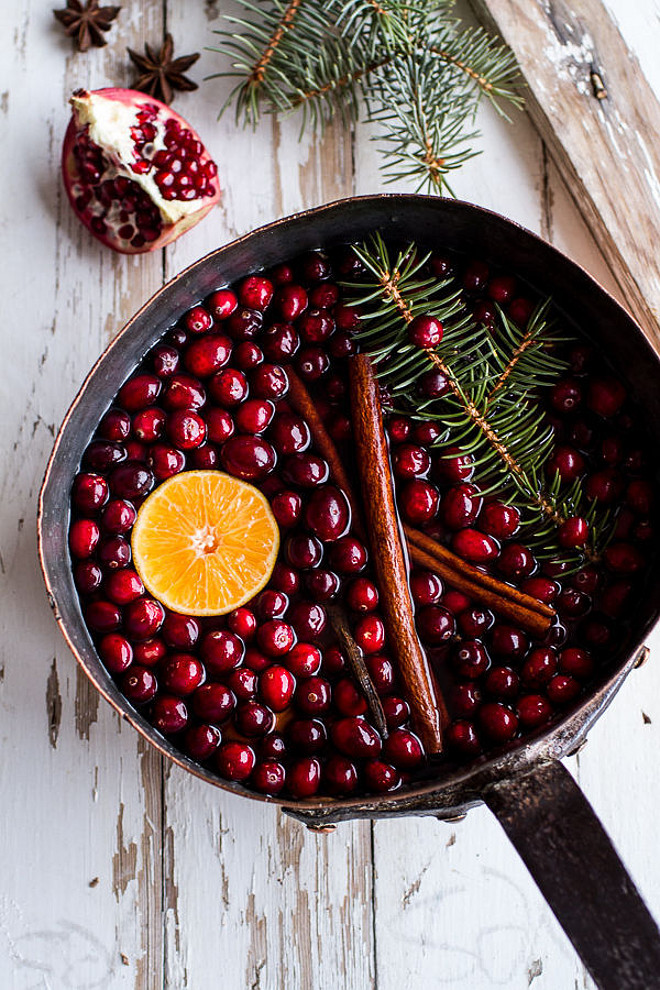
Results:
605 147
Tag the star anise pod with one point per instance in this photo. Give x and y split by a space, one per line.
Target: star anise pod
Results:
86 24
160 74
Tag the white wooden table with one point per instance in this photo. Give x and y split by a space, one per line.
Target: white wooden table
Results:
117 871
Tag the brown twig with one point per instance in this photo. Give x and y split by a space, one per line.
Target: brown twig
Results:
353 654
259 69
429 714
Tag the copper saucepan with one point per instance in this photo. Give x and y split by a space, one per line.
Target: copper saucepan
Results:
536 800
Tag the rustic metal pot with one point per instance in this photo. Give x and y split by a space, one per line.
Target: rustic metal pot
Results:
533 796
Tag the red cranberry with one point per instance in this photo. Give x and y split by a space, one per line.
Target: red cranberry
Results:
307 735
605 396
206 356
500 521
275 638
304 551
269 381
322 585
562 689
222 651
624 558
433 384
83 537
347 698
362 595
475 276
87 576
334 661
579 663
115 425
201 741
222 303
289 434
566 395
308 619
436 624
243 623
197 320
475 621
541 588
304 660
243 683
182 673
419 501
255 292
165 361
605 486
149 424
539 667
396 711
501 289
502 682
268 777
247 355
324 296
186 429
516 561
485 312
254 416
455 601
271 604
124 586
327 513
305 470
462 737
369 634
474 546
254 719
316 326
354 737
498 721
581 434
166 461
341 345
180 631
509 642
286 508
312 363
313 696
244 323
304 777
340 776
574 532
533 710
213 702
572 603
143 618
465 699
228 387
114 553
426 432
425 331
235 760
138 392
567 462
291 301
276 686
381 672
639 496
139 685
348 555
410 461
281 342
101 455
470 659
90 492
116 653
520 310
315 267
425 588
249 458
131 480
285 579
403 750
183 392
460 506
399 428
149 651
219 425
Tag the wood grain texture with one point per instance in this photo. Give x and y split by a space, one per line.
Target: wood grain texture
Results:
605 148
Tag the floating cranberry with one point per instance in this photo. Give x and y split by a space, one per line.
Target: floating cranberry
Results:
244 323
485 312
166 461
305 470
475 621
268 777
254 719
247 355
327 513
149 651
520 310
114 553
453 465
567 462
285 579
228 387
90 492
499 520
286 508
315 267
502 682
432 384
474 546
369 634
313 696
307 735
606 396
624 558
276 686
183 392
577 662
501 289
403 749
143 618
605 486
180 631
304 660
182 673
165 360
475 276
269 381
539 667
242 682
148 425
83 537
201 741
508 641
131 480
322 585
275 638
354 737
222 651
186 429
574 532
516 561
198 320
304 777
542 588
219 425
470 659
271 604
419 501
309 619
573 603
396 711
255 292
139 685
254 416
498 721
124 586
562 689
87 576
115 425
425 587
381 671
291 301
289 434
340 776
463 738
436 624
566 395
116 653
235 761
138 392
533 710
249 458
410 461
324 296
347 698
208 355
425 331
303 551
465 699
222 303
213 702
362 595
460 506
348 555
316 326
101 455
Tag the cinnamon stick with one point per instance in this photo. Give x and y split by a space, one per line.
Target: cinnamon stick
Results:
429 714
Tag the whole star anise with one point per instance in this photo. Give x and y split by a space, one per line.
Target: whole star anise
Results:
160 74
86 24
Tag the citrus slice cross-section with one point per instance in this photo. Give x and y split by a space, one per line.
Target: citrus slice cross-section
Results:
205 542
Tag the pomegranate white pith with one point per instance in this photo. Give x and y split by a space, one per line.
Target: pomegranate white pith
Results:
136 173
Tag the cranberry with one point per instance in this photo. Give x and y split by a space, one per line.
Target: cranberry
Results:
433 384
410 461
243 623
271 604
581 434
574 532
208 355
205 458
562 689
213 702
183 392
291 301
275 638
166 461
268 777
254 719
289 434
460 506
247 355
381 672
455 601
639 496
222 303
307 735
541 588
201 741
269 381
327 513
605 486
285 579
303 551
436 624
244 323
313 696
500 521
235 760
286 508
281 342
115 425
124 586
324 296
276 686
254 416
347 698
116 653
101 455
219 425
138 392
322 585
312 362
520 310
419 501
180 631
471 659
399 428
465 699
462 737
475 276
228 387
165 361
425 331
249 458
403 749
539 667
369 634
606 396
341 345
566 395
340 776
509 642
149 424
114 553
624 558
396 711
83 537
222 651
474 546
149 651
533 710
315 267
131 480
348 555
304 777
577 662
255 292
354 737
308 619
501 289
182 673
567 462
516 561
186 429
243 683
87 576
425 588
572 603
271 747
197 320
139 685
90 492
426 432
143 618
316 326
502 682
475 621
305 470
304 660
498 721
362 595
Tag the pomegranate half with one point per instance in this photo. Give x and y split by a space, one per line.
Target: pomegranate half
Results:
135 172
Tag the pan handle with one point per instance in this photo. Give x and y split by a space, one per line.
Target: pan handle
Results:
573 861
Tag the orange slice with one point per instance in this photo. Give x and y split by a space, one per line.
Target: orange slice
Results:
205 543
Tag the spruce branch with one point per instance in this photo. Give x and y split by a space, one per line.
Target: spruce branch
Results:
407 66
491 405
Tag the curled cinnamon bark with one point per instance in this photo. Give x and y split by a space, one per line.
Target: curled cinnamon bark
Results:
429 714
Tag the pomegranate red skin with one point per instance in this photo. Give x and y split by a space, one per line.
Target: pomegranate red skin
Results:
70 174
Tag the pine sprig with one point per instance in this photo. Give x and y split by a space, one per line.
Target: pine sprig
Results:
491 406
407 66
